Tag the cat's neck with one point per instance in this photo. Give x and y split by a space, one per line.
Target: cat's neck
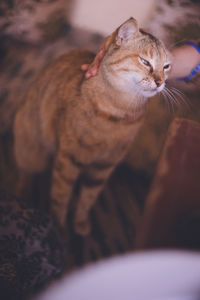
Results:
109 99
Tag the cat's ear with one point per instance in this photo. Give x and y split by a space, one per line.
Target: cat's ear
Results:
126 31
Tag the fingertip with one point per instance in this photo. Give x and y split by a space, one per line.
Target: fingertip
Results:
84 67
87 75
94 72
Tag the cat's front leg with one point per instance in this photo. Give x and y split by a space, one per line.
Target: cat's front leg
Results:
64 176
22 184
91 186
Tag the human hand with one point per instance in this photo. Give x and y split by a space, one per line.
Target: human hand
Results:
92 69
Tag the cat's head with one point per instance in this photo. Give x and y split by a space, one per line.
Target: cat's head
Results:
135 61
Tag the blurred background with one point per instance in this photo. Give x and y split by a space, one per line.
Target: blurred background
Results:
151 201
105 15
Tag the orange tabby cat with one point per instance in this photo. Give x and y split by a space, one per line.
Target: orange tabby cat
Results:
88 125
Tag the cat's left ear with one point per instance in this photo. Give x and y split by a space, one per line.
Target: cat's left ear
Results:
126 31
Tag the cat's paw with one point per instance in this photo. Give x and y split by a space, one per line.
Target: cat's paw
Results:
82 227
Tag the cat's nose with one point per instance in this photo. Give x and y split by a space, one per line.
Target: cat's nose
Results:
158 81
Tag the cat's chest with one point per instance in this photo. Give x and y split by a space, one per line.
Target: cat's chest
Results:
93 133
98 126
98 135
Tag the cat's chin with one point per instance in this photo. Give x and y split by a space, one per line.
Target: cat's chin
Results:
149 93
152 92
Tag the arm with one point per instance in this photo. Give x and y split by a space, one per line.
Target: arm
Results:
185 59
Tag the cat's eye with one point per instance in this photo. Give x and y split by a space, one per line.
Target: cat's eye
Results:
145 62
167 67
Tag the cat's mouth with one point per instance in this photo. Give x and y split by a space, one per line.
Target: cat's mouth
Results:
157 89
151 92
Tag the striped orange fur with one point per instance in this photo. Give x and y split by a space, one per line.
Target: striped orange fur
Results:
86 126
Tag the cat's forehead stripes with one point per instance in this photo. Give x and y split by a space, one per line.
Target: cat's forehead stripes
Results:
122 59
153 51
148 37
150 53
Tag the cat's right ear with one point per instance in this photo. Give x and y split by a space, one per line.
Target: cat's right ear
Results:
126 31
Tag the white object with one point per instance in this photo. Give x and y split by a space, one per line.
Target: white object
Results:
166 275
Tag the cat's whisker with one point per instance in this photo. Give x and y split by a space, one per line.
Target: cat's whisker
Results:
163 93
165 96
169 100
181 96
173 100
173 97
